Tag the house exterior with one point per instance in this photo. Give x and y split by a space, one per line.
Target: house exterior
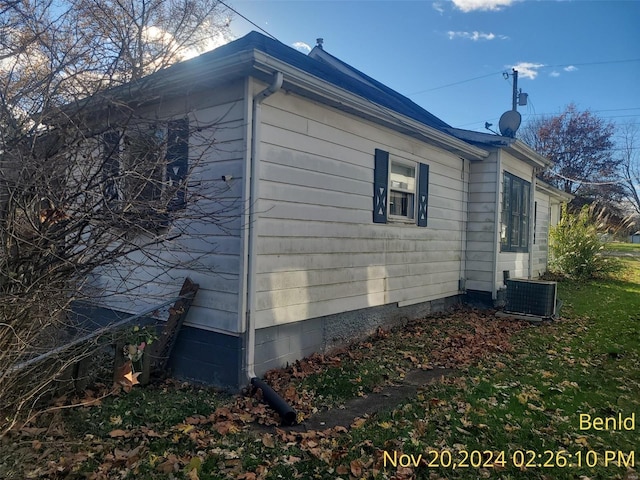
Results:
349 207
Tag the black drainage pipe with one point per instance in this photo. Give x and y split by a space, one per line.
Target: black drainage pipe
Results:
287 414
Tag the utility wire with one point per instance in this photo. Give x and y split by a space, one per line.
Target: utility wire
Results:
456 83
252 23
606 62
598 111
495 119
584 182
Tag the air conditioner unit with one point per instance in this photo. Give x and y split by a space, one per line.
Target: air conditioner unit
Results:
531 297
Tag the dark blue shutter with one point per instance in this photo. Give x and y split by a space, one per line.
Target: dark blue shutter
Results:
110 166
380 186
177 161
423 195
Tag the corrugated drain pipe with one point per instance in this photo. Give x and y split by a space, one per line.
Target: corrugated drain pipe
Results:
287 414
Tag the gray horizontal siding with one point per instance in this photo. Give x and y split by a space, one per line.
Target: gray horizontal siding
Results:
208 251
319 252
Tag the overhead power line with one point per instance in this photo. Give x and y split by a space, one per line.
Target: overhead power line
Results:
585 182
582 64
456 83
481 122
245 18
597 111
604 62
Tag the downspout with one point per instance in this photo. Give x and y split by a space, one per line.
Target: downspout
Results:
497 226
532 217
466 178
287 414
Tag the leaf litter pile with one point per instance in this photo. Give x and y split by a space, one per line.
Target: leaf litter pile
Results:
174 430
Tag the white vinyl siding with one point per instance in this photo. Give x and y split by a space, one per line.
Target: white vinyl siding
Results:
319 252
541 244
480 245
209 254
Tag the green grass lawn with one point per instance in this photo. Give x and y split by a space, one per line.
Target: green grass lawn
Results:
512 411
624 247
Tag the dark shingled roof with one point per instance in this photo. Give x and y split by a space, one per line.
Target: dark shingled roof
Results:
375 91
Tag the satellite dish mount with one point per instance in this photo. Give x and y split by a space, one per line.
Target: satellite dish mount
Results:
509 123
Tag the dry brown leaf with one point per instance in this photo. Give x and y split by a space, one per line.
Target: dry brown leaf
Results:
267 440
358 422
166 467
356 468
193 474
247 476
125 377
133 378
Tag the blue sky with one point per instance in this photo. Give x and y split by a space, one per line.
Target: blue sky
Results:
448 56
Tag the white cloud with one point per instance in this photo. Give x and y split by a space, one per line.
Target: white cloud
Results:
570 68
471 5
554 74
528 69
214 41
475 36
437 6
302 46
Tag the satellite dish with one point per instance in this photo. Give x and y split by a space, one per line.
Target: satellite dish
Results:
509 123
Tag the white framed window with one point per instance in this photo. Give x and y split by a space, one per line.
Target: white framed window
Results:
514 233
402 189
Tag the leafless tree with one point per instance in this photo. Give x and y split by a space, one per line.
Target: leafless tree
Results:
87 179
630 169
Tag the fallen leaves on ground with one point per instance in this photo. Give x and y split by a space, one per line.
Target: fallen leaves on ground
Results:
242 439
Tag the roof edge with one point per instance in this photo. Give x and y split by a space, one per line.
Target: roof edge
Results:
553 191
524 152
303 80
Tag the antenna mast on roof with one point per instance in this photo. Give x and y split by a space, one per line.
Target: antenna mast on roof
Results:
319 42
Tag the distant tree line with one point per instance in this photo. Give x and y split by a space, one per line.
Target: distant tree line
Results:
594 160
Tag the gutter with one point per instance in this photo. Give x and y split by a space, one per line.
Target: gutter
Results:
300 81
287 414
523 152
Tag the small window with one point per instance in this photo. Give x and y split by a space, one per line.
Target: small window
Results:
402 190
514 234
145 169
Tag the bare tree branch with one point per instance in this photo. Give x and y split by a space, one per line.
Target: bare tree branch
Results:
85 178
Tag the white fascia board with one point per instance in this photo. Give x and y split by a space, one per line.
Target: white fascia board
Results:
523 152
554 192
212 72
319 88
